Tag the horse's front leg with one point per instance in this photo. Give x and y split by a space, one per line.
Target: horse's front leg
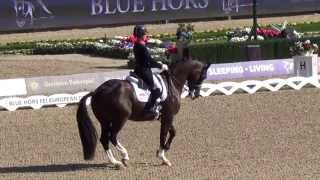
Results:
172 134
166 126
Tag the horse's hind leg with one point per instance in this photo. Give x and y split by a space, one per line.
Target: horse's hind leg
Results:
166 127
116 126
105 138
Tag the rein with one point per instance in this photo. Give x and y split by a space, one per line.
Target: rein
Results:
174 79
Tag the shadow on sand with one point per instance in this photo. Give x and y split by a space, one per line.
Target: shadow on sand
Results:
55 168
123 67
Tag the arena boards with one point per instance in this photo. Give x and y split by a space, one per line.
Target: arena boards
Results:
38 92
49 85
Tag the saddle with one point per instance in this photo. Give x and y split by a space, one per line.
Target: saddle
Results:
142 90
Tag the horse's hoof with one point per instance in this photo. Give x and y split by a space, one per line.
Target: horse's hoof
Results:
119 166
167 163
158 154
125 162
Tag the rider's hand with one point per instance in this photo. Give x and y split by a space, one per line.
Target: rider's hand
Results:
164 67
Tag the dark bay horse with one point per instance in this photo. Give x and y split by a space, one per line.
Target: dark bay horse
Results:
114 102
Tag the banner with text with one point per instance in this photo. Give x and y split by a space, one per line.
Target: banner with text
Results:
252 69
86 82
70 83
17 15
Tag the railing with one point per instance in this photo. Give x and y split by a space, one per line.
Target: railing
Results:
208 89
253 86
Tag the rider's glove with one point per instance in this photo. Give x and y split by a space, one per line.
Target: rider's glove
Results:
164 67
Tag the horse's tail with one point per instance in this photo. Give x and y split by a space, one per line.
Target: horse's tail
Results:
88 134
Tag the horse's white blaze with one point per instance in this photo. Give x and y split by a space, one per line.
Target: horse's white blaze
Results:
112 159
123 151
163 157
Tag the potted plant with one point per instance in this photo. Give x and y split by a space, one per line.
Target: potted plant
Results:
305 58
305 48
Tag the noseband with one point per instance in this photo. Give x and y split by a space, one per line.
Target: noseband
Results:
197 84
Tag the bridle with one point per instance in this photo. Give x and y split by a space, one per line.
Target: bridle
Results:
192 86
197 84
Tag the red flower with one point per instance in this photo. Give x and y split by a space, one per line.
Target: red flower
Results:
267 32
172 50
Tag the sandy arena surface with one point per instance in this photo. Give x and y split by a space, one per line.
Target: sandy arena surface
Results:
267 135
17 66
261 136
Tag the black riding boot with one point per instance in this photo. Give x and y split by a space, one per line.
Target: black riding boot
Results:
150 106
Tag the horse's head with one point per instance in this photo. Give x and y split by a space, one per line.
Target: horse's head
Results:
192 72
24 12
196 77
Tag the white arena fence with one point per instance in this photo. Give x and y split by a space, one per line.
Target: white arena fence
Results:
208 89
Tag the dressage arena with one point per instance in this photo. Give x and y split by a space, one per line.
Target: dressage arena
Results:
267 135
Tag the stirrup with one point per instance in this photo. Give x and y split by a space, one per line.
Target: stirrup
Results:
154 110
153 113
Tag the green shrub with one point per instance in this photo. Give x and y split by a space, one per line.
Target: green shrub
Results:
307 27
226 52
17 46
210 46
84 47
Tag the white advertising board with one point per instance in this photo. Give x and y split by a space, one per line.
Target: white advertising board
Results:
13 87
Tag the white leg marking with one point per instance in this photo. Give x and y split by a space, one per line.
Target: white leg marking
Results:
112 159
163 157
123 151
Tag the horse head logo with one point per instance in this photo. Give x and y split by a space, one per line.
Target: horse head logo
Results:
25 11
229 6
288 66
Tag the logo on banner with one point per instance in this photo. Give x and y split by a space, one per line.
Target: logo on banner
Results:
110 7
288 66
34 85
27 11
235 5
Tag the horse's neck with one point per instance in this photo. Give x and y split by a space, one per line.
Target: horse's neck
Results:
179 78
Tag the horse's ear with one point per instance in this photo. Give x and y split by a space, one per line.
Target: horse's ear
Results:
166 62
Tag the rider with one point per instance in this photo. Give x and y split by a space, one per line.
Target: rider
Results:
144 63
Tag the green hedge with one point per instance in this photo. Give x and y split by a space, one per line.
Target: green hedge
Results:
210 46
65 47
221 34
307 27
95 49
235 52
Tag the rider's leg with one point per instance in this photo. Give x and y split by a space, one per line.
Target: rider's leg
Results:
155 92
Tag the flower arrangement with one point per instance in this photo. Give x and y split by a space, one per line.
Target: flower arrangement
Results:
305 48
270 33
274 31
240 35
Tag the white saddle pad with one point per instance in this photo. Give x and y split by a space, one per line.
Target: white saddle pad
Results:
143 94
